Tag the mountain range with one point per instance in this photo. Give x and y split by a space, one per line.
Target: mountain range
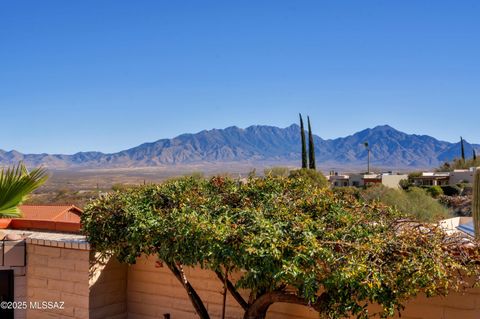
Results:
390 148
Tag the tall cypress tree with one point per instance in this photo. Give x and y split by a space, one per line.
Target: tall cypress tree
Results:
311 147
474 155
463 148
304 143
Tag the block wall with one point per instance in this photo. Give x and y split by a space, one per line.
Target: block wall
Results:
57 275
108 284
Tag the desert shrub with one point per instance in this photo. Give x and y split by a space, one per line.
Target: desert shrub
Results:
467 191
120 186
415 202
405 184
312 176
435 191
347 191
277 171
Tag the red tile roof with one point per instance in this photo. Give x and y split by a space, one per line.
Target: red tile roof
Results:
51 212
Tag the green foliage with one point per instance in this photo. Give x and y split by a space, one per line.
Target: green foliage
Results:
277 171
415 202
414 174
347 191
462 147
333 252
310 176
311 147
304 143
405 184
476 204
15 184
435 191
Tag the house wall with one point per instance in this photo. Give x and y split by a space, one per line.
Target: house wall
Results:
393 181
356 180
108 286
153 291
58 275
461 176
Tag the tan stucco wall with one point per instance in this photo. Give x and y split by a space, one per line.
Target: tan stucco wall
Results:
461 176
108 286
58 275
393 181
146 291
153 292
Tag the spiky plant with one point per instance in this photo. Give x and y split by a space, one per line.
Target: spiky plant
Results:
476 204
15 184
311 147
304 143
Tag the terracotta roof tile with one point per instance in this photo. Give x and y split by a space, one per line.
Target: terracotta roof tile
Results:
49 212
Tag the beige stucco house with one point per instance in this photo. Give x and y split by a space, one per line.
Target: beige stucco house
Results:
359 180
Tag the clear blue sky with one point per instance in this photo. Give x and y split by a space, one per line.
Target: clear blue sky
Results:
109 75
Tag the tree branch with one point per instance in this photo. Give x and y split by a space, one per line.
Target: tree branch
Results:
192 294
231 288
259 307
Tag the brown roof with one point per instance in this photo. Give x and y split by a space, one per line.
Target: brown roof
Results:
48 212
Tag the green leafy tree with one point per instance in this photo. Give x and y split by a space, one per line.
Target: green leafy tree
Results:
15 184
311 147
304 143
286 240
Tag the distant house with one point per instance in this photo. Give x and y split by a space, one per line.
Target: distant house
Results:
445 178
65 213
358 180
337 180
432 179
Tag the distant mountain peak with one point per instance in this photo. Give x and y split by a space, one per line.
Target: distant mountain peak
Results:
263 144
384 127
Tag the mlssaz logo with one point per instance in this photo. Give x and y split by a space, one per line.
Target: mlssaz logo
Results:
47 305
